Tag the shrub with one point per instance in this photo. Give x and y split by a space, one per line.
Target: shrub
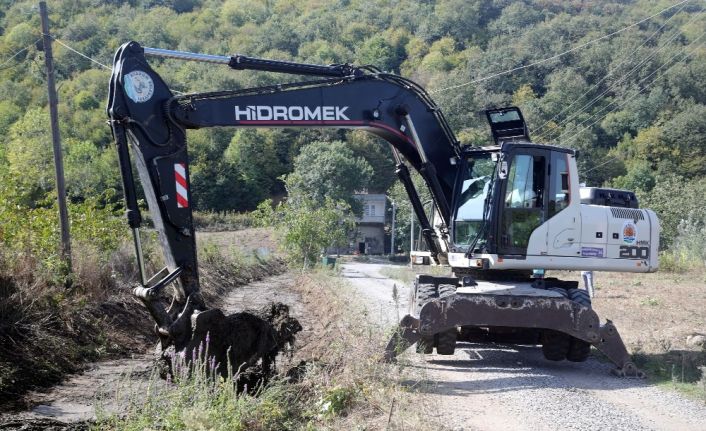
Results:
307 229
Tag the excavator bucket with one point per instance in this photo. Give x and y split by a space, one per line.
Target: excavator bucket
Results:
243 344
518 311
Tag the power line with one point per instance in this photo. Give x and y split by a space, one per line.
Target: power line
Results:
92 59
623 78
625 60
79 53
2 66
583 45
639 90
613 158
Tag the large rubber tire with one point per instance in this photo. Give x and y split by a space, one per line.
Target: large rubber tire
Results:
555 344
424 293
579 350
446 341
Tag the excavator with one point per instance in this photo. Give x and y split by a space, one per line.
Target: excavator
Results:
499 212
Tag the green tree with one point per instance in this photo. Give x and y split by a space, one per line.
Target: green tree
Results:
306 228
328 170
262 156
29 157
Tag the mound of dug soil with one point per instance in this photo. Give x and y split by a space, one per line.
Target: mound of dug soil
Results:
248 342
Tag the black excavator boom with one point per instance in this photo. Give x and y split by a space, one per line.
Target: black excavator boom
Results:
149 126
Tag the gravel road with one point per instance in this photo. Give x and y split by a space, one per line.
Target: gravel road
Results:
492 387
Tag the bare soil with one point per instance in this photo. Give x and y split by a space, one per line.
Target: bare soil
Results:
104 384
654 312
120 326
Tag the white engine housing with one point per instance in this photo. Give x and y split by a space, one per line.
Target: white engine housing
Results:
584 237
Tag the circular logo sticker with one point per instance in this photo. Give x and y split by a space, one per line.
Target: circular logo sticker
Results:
138 86
629 233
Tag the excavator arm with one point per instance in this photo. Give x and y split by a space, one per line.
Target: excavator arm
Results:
148 123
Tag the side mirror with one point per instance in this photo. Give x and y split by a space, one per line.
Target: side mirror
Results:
502 173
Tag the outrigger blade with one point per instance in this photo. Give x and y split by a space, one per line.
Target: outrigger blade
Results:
492 310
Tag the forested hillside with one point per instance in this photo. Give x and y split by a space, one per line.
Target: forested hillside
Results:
631 97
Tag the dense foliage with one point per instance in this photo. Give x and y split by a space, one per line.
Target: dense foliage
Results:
634 103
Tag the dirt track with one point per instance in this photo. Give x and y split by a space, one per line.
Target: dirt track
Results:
493 387
111 385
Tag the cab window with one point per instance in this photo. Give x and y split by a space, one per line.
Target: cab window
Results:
524 202
560 194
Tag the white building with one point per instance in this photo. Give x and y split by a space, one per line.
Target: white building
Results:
370 237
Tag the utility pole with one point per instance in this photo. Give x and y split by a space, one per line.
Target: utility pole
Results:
392 236
56 139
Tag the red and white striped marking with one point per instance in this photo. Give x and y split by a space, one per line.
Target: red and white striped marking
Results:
182 189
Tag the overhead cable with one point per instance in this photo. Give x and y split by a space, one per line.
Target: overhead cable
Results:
639 90
627 58
92 59
554 57
2 66
79 53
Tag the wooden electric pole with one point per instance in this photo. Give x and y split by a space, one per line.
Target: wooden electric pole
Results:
56 140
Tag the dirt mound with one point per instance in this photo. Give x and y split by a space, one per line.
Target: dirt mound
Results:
245 344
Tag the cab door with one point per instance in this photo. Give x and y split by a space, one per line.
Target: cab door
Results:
564 213
523 207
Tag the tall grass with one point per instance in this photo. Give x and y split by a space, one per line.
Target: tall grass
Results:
687 251
211 221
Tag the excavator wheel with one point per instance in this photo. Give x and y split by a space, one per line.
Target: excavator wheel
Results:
555 344
579 350
424 293
446 341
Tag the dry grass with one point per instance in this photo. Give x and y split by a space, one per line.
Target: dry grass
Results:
654 312
347 349
244 241
47 330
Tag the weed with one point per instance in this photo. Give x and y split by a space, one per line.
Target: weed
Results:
211 221
649 301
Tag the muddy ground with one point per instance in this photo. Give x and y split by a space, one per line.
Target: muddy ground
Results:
109 386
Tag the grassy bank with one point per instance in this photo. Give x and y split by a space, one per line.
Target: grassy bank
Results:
48 330
339 385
